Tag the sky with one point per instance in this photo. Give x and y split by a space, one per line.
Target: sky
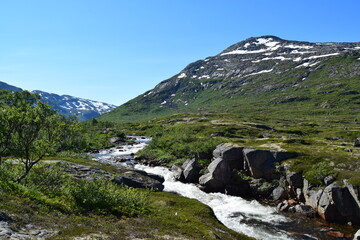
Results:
115 50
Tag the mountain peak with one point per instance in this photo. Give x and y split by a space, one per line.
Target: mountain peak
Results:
267 65
67 105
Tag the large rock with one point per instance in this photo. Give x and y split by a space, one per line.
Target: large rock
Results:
260 163
295 180
191 171
357 235
279 193
140 179
281 156
230 153
355 193
357 142
337 205
210 184
305 210
312 197
178 173
260 188
218 177
220 170
241 189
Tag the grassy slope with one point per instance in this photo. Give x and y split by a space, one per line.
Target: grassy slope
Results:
170 217
333 88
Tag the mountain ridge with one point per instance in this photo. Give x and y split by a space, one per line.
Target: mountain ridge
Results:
67 105
248 72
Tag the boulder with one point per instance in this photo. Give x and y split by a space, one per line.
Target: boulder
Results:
305 210
210 184
178 173
191 171
260 163
260 188
357 235
140 179
241 189
337 205
329 180
312 197
218 177
220 170
279 193
4 217
355 193
115 140
357 142
300 195
230 153
281 156
295 180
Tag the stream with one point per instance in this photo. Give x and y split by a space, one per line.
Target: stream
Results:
247 217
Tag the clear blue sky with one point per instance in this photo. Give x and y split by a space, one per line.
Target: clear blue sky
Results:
114 50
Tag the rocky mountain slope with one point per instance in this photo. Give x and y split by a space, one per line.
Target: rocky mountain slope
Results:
68 105
262 72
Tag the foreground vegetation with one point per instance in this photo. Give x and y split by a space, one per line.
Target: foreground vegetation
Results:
51 199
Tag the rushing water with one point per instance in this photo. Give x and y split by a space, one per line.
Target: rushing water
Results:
248 217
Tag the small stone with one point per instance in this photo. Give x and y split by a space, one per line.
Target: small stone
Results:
329 180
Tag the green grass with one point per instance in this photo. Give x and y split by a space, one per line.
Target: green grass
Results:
50 199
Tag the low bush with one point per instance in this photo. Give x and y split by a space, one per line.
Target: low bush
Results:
318 172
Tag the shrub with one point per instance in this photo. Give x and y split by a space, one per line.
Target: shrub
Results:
318 172
102 196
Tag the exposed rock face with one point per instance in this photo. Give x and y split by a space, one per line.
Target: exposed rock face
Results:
178 173
337 205
261 163
232 154
279 193
140 179
229 158
191 171
219 175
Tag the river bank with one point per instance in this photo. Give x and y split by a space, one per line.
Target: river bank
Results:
248 217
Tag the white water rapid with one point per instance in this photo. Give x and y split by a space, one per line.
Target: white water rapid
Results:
246 217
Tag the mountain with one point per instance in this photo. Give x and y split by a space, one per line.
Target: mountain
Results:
68 105
267 74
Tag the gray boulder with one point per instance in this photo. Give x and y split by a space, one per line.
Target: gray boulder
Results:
210 184
312 197
230 153
191 171
220 170
140 179
218 177
260 163
357 142
357 235
178 173
305 210
337 205
241 189
295 180
329 180
279 193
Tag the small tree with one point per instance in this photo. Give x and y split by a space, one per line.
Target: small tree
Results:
36 134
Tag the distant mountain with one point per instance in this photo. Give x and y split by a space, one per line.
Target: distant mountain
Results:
68 105
259 73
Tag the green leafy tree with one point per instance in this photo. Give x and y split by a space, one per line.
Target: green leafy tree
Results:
36 134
